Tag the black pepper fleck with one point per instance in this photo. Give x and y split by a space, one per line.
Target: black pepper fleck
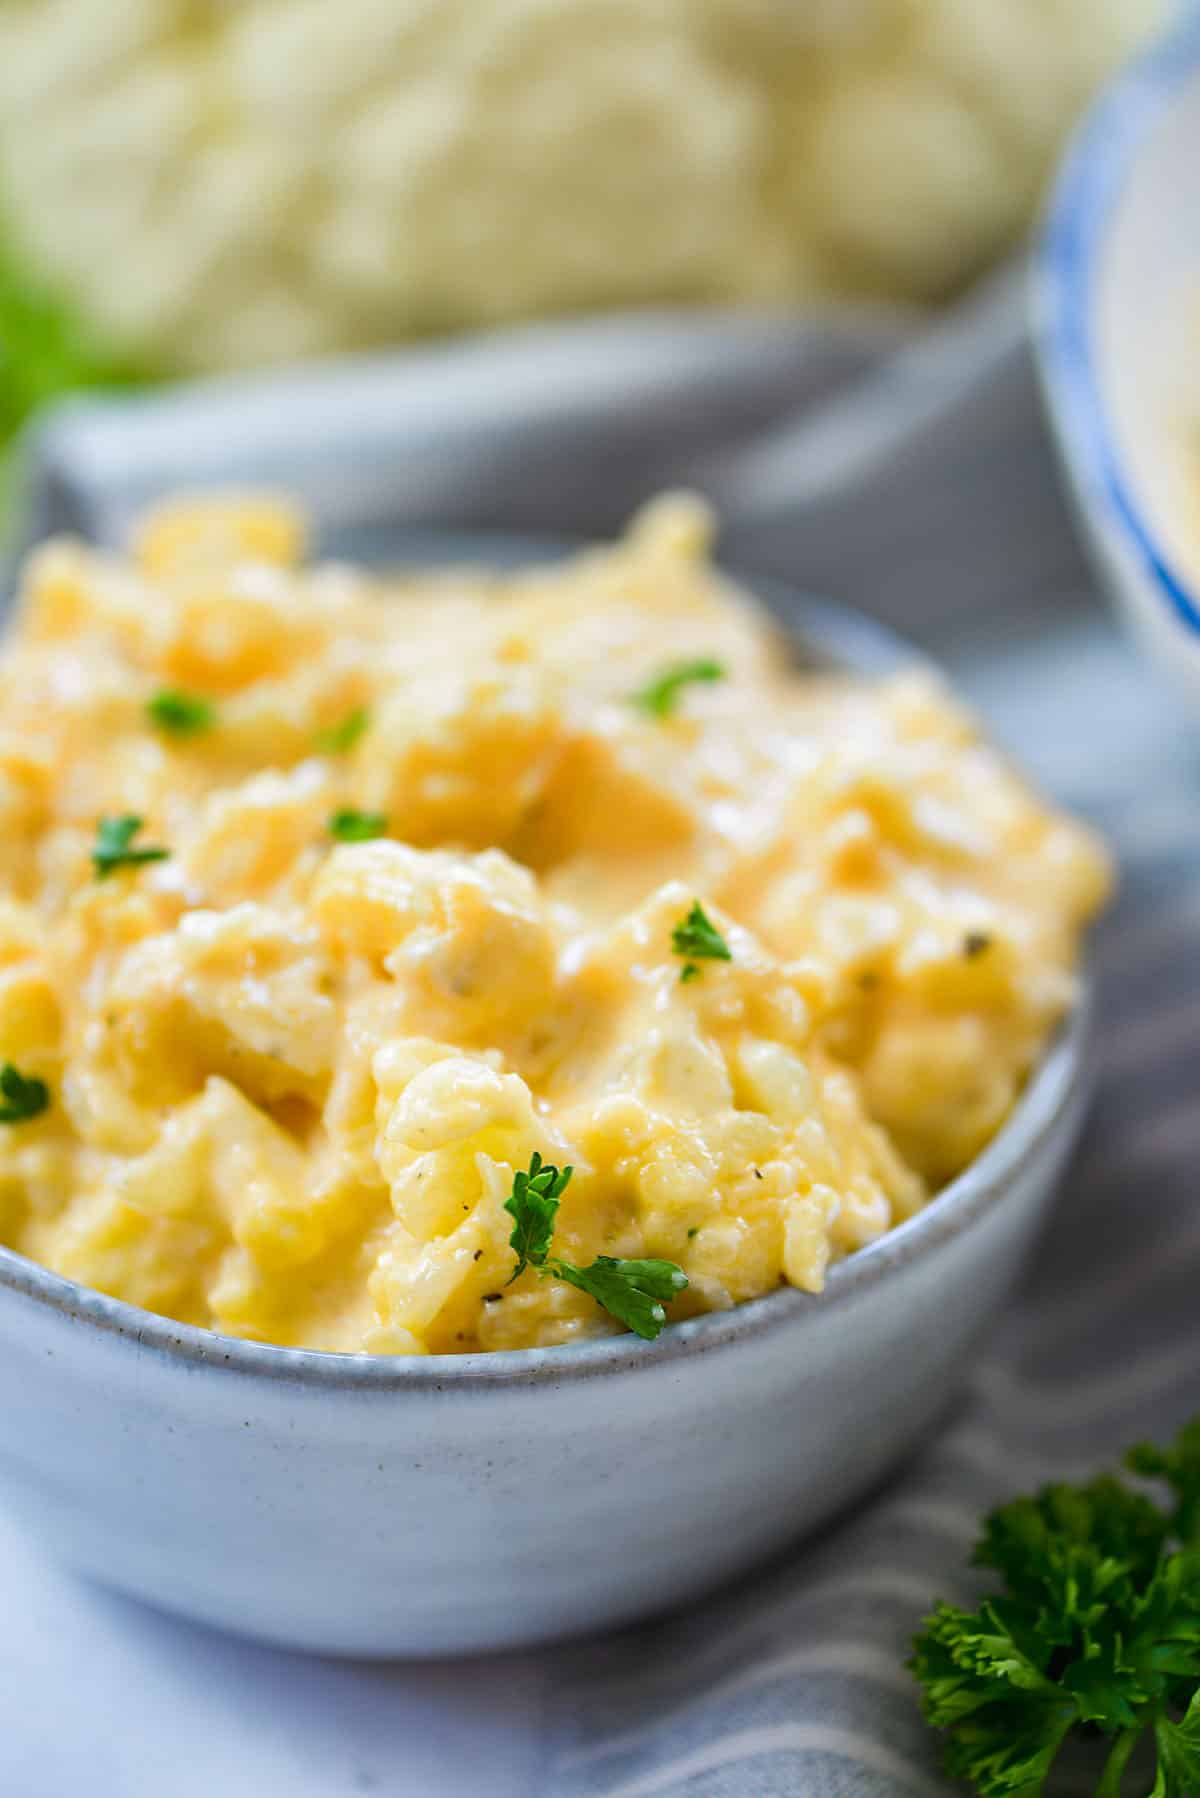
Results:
492 1298
478 1255
976 942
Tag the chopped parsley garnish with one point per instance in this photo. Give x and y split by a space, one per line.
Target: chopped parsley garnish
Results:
533 1203
1097 1632
697 938
357 827
114 849
181 714
634 1292
22 1096
660 696
341 737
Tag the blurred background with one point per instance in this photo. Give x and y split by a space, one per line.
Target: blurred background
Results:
198 185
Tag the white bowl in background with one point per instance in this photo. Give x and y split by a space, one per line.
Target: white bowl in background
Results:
380 1505
1116 316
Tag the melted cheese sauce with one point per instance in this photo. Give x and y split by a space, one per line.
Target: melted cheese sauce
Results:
291 1078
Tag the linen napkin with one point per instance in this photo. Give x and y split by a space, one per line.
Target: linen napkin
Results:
903 467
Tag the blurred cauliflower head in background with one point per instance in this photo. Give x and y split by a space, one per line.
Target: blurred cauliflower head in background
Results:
222 182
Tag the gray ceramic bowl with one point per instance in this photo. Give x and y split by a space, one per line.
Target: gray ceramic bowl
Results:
378 1506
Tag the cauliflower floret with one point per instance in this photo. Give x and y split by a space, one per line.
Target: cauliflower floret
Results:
261 835
462 756
238 992
451 1131
350 175
465 937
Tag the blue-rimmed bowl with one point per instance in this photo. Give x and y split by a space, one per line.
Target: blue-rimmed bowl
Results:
382 1505
1116 314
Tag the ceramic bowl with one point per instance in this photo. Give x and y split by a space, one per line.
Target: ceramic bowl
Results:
1116 316
388 1506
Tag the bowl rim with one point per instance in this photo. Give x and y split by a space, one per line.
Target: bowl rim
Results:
1079 214
826 634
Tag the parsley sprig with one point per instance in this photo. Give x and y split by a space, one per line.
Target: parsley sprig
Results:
114 849
357 827
533 1203
180 714
1097 1631
661 695
23 1096
698 938
634 1292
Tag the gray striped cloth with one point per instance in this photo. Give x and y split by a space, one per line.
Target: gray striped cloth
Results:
905 470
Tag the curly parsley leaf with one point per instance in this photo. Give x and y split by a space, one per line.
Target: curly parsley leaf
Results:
23 1096
1097 1631
343 736
533 1205
698 938
634 1292
357 827
660 695
181 714
114 849
1178 1747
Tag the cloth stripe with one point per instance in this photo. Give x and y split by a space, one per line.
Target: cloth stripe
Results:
786 1738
